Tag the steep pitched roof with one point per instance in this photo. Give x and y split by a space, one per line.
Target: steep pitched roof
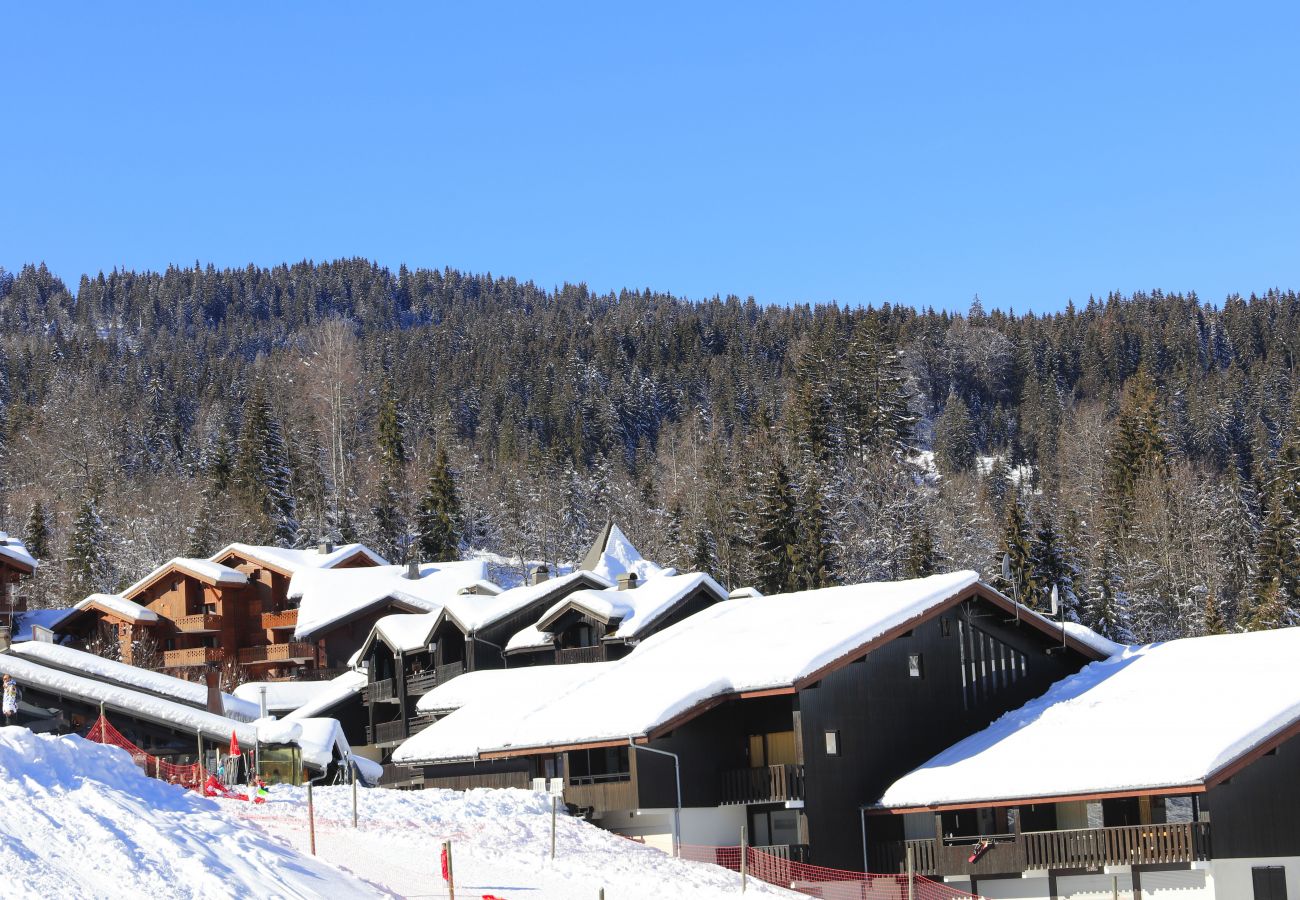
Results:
204 570
1177 716
289 562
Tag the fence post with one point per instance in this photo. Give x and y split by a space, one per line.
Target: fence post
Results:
555 802
101 721
354 794
744 857
311 819
911 874
448 872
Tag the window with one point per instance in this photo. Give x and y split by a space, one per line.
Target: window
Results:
776 748
599 765
832 743
914 665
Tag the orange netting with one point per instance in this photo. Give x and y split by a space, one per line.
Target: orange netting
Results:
191 776
822 882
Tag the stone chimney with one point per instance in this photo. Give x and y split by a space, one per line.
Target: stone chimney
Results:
413 570
540 574
326 547
213 679
627 581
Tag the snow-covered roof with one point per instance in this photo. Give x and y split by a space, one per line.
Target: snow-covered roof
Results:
15 552
317 738
1100 643
283 696
88 664
474 611
637 608
337 689
480 705
530 638
731 647
491 685
1165 715
326 597
203 569
44 618
407 632
613 555
116 698
118 606
291 562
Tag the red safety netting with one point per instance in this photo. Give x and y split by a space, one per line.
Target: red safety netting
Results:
821 882
191 776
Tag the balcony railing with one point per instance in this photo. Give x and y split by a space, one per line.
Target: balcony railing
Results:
448 671
765 784
389 732
421 683
193 656
285 619
293 651
1083 848
379 691
199 622
580 655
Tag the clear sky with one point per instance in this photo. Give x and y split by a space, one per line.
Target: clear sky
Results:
910 152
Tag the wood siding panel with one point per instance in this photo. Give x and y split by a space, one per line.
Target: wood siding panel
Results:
1257 812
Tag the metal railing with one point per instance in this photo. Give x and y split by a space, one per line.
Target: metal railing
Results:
765 784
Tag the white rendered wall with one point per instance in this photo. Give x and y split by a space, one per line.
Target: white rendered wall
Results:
1231 879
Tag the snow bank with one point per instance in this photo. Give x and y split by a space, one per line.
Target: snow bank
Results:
1117 725
738 645
80 663
78 820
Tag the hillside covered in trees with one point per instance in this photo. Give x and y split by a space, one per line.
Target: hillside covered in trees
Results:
1140 453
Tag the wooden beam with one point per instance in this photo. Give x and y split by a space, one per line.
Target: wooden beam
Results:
554 748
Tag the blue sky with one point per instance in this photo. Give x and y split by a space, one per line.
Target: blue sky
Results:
912 153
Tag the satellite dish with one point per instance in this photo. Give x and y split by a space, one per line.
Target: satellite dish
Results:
1006 566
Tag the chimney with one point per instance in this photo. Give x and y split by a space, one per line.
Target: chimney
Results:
326 547
627 581
413 570
213 678
540 574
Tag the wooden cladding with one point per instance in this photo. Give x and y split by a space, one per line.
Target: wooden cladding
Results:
199 623
193 656
580 655
766 784
293 651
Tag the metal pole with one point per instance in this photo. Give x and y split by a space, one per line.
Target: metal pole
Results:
744 856
677 812
352 768
102 721
555 802
451 874
311 819
911 875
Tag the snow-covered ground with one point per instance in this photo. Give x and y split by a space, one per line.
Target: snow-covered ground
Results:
79 820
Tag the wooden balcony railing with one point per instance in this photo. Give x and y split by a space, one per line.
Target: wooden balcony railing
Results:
293 651
390 732
580 655
199 622
1082 848
193 656
421 683
791 852
765 784
379 691
285 619
448 671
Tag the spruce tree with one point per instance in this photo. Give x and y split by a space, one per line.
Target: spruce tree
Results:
704 551
392 447
1017 545
1138 449
438 521
877 400
36 537
260 473
778 537
954 437
920 551
815 554
1268 609
1054 567
1106 611
88 561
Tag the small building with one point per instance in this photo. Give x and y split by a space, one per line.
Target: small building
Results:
785 713
15 564
1170 770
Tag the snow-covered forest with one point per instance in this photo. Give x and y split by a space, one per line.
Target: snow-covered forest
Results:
1140 453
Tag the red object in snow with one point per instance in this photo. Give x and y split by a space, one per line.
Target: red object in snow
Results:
214 788
446 876
234 744
980 849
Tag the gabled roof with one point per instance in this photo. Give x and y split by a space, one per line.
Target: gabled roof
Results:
733 649
475 612
13 553
330 597
613 555
112 605
289 562
1175 717
636 609
204 570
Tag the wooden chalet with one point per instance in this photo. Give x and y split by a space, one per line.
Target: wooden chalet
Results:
786 713
15 564
1168 771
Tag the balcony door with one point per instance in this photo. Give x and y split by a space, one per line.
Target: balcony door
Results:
774 748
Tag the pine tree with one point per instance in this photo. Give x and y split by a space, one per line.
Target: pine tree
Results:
389 528
1268 610
1214 622
37 535
1107 609
920 551
954 437
1017 545
260 473
438 521
704 551
88 561
392 447
1137 451
778 537
815 554
1053 567
877 401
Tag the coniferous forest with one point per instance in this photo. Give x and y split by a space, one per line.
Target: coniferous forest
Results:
1140 453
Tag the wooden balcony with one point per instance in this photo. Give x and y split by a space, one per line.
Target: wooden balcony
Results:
421 683
379 691
193 656
291 652
1084 848
285 619
445 673
199 623
388 732
580 655
765 784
